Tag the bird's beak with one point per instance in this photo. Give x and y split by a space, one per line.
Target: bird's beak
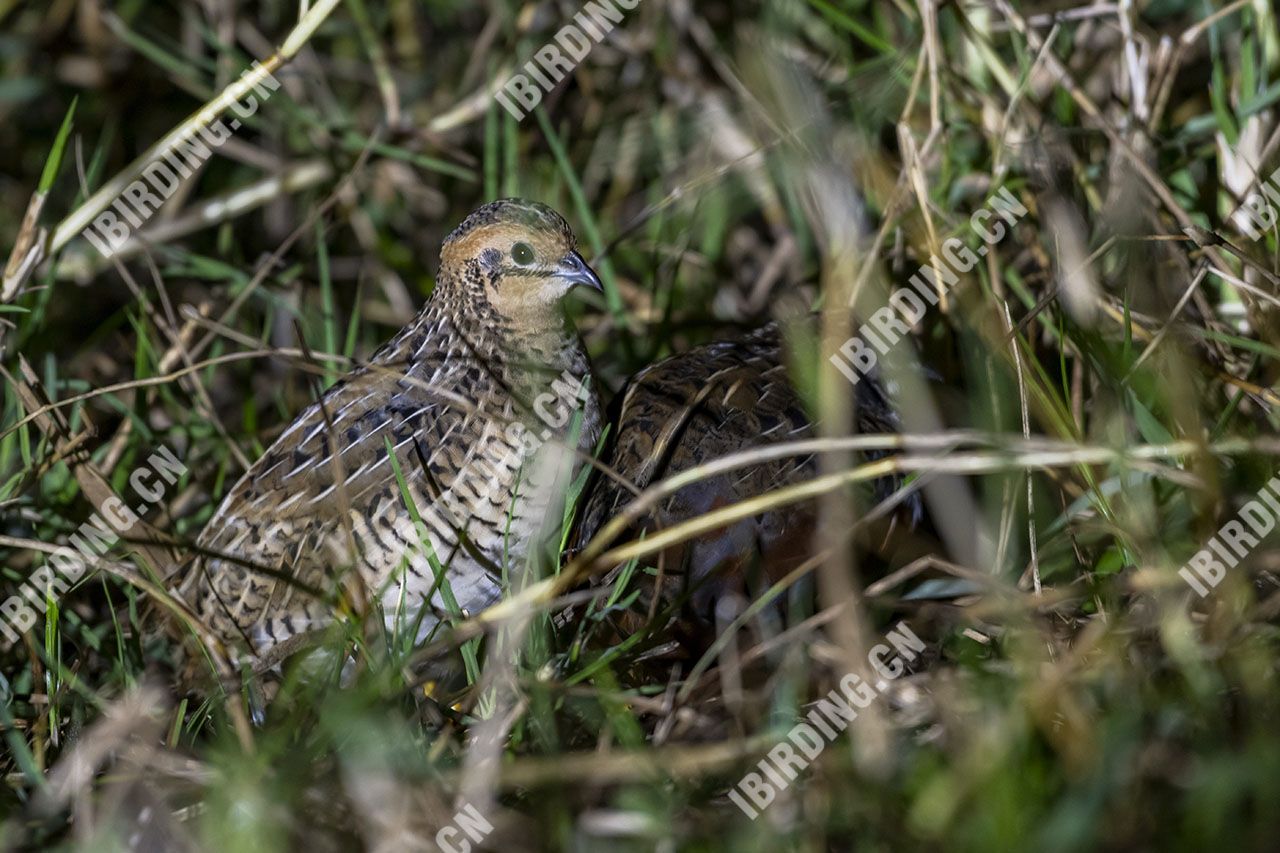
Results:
574 270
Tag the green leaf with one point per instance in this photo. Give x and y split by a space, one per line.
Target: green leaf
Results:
54 163
1260 101
847 22
1111 562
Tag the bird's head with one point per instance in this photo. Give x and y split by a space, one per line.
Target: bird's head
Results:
519 255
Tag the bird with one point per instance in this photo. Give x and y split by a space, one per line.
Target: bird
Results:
691 409
448 448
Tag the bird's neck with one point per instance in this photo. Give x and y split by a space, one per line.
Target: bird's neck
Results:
540 339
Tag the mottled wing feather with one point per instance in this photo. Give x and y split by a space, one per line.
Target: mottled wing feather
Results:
697 407
703 405
295 513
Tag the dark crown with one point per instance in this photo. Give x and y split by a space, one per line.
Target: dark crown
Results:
514 211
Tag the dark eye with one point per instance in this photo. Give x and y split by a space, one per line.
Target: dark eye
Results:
522 253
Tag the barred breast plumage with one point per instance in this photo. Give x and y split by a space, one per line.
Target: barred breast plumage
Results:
484 404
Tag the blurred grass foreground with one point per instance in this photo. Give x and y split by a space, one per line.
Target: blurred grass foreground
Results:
1081 648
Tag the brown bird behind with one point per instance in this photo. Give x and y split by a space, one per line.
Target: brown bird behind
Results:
699 406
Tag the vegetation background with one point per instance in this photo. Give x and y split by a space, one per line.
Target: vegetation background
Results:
1111 362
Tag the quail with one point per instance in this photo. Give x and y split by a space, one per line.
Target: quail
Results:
443 454
702 405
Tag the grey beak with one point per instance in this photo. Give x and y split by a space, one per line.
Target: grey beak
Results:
574 269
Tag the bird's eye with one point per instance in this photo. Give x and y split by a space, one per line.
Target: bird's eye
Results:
522 253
